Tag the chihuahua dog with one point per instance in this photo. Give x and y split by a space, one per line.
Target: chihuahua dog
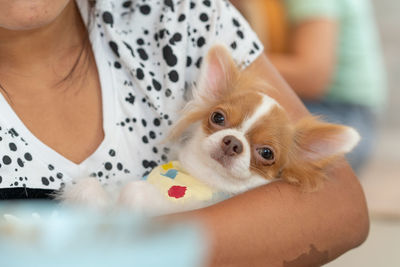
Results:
234 137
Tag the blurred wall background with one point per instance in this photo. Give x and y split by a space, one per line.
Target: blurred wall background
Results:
389 24
381 178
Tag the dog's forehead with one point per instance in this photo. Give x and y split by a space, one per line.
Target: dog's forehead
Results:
264 107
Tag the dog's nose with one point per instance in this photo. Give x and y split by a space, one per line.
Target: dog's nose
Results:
231 146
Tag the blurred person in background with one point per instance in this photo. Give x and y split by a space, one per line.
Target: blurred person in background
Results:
328 51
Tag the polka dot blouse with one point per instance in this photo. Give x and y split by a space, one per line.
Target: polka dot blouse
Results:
148 54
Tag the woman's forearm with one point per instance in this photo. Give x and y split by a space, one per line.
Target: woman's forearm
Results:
278 225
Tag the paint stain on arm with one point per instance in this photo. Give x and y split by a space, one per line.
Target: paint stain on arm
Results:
314 255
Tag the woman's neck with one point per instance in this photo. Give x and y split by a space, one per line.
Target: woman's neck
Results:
53 48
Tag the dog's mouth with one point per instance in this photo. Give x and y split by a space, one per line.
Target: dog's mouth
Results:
222 158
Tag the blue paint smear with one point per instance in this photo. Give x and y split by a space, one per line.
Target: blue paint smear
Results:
171 173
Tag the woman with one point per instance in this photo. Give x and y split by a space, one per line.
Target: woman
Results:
76 103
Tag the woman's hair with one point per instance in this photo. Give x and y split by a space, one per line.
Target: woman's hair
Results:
85 49
84 53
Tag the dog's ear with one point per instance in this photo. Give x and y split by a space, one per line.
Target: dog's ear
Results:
316 145
319 140
217 75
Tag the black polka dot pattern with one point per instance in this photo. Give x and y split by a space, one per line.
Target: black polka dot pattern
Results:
17 164
152 52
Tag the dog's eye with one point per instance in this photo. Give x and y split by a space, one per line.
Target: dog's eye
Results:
218 118
266 153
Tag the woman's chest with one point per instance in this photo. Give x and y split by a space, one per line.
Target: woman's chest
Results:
25 162
114 132
68 120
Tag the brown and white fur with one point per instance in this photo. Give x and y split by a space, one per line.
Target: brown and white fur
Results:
256 123
234 137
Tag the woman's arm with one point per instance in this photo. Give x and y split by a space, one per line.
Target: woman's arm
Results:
309 66
277 224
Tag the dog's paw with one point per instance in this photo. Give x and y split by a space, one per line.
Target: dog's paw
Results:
142 197
86 192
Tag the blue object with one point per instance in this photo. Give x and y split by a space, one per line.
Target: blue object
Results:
171 173
47 235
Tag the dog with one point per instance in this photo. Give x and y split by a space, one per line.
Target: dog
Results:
232 137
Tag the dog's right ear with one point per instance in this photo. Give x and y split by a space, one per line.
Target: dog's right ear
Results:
218 72
217 75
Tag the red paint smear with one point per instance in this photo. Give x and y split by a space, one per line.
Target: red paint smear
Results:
177 191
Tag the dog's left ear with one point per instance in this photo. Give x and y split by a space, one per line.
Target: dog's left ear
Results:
218 73
316 145
319 140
